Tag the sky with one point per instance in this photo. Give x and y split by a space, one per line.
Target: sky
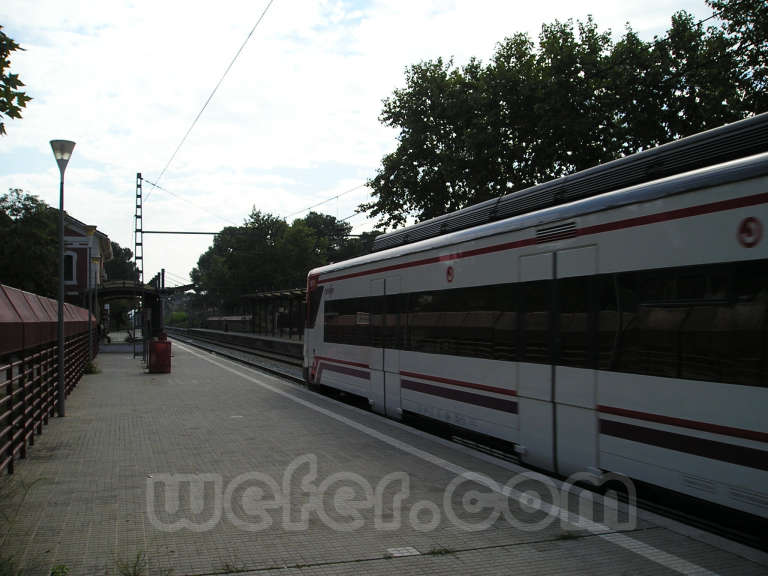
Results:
293 124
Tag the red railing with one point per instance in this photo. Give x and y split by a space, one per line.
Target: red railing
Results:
29 366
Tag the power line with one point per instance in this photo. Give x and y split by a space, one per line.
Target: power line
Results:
336 197
183 199
351 216
177 277
264 12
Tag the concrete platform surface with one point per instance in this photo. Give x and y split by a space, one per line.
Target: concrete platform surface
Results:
217 468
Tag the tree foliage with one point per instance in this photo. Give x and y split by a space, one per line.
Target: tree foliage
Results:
266 253
28 243
121 266
12 100
571 101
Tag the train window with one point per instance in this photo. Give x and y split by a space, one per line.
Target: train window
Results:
650 324
608 321
314 305
575 322
376 311
390 322
476 322
699 323
722 339
505 326
535 316
476 329
343 323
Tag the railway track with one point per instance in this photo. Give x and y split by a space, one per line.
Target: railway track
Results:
744 529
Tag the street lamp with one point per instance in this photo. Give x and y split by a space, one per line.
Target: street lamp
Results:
62 151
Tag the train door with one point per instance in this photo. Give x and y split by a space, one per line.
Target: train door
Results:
391 352
376 359
575 376
535 371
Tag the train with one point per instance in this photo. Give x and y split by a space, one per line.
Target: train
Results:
615 320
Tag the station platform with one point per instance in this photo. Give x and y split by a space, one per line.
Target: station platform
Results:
217 468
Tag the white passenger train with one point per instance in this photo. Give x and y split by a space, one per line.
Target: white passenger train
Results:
626 331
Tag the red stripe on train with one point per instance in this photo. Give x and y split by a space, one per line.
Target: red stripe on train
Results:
459 383
684 423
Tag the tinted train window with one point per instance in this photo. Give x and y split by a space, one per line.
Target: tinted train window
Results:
314 305
391 321
651 321
535 317
348 321
723 335
576 324
702 323
608 321
506 329
477 322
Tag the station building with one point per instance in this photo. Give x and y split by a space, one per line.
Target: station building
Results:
85 251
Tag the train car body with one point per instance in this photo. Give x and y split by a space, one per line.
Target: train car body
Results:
624 332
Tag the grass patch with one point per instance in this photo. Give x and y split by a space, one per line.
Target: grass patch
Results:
92 368
440 551
135 567
8 567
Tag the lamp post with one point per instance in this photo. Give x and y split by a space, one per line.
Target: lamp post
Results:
62 151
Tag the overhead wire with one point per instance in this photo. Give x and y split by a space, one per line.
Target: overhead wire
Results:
335 197
210 97
183 199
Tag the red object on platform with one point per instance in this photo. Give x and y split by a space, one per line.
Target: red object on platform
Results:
160 357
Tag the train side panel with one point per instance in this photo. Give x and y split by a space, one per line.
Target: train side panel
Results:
667 420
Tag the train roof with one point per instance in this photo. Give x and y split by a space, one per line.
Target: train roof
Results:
736 140
717 175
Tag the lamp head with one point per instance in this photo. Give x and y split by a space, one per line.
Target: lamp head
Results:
62 151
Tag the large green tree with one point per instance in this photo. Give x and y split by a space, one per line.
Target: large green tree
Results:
28 248
574 99
12 100
266 253
242 259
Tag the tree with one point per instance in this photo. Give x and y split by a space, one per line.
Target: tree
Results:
121 266
12 100
746 24
242 259
266 253
28 246
574 100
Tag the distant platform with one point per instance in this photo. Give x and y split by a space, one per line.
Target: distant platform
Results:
118 344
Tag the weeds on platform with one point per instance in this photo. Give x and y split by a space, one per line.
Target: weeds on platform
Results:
135 567
92 368
8 567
